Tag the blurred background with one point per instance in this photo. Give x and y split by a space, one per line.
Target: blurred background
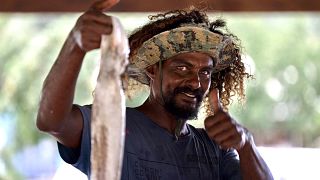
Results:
281 49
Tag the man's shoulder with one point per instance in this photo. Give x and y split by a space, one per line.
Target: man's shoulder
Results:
87 107
130 112
196 131
133 111
201 136
133 115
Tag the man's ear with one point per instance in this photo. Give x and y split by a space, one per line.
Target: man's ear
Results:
151 71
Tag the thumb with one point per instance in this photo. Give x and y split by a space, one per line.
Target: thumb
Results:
103 5
214 101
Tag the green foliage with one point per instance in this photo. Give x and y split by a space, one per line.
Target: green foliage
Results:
283 102
29 45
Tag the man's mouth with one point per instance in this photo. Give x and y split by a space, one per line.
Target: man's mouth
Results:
189 95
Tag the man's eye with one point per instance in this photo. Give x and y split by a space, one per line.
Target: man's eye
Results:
182 68
205 72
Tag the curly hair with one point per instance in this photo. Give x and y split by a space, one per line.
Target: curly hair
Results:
229 81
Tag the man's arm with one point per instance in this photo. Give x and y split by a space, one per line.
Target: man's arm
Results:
227 133
251 163
57 115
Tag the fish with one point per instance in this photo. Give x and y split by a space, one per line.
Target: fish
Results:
108 109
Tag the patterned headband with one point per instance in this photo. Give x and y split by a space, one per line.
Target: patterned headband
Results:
181 40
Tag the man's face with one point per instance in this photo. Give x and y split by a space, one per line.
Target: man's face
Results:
186 81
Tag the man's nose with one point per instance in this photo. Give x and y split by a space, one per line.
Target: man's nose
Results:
193 81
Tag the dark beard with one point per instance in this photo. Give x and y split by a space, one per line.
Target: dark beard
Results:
179 111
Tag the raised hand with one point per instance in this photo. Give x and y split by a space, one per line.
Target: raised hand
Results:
222 128
92 24
103 5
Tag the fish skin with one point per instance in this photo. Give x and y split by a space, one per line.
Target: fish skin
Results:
108 113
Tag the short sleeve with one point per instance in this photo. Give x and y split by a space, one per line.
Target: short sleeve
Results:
230 165
80 157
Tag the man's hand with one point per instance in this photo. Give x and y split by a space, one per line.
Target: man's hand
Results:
222 128
92 25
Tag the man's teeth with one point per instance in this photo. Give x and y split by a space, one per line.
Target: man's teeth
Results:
189 95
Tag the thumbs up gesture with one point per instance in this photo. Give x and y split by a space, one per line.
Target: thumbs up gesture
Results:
222 128
92 25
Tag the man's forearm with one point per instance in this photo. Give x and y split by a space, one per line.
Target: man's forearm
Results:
252 164
59 87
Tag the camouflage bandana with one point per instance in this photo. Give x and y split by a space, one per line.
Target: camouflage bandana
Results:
181 40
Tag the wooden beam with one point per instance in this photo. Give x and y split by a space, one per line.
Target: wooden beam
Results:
159 5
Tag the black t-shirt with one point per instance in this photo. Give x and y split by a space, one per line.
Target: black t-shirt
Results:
152 153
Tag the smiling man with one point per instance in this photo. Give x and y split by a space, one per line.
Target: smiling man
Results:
188 78
186 60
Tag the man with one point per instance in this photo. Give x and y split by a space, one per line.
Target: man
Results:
184 59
